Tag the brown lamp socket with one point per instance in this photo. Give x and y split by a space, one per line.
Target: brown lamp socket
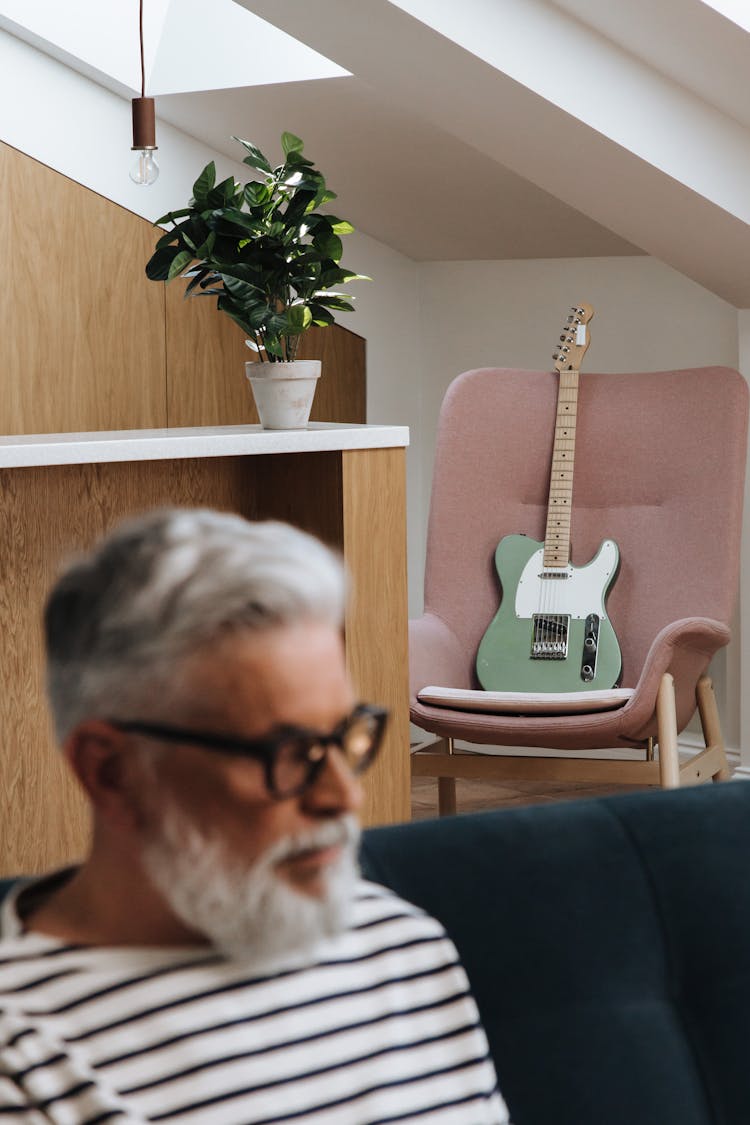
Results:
144 123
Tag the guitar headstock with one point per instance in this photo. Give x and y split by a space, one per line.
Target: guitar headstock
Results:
574 339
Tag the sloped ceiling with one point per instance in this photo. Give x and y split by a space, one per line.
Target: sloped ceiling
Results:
635 120
481 130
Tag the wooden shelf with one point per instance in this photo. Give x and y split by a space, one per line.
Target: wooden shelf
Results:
197 441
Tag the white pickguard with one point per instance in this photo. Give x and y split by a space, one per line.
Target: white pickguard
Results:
578 594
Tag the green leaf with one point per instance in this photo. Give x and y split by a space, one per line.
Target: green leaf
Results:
290 143
320 316
204 251
236 316
298 318
295 212
256 193
167 239
228 188
204 183
243 271
172 215
258 317
329 244
255 157
333 301
200 277
158 265
222 195
340 226
297 160
183 259
335 276
211 278
240 290
273 346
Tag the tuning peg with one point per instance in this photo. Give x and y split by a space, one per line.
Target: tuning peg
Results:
555 356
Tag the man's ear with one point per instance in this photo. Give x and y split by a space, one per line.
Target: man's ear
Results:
103 760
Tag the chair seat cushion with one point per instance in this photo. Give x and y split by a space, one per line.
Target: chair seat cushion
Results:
525 703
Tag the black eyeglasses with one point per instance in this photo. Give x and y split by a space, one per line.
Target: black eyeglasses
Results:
292 757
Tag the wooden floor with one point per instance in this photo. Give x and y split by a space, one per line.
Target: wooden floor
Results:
478 796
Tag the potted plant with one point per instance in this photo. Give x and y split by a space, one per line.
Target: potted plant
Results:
272 261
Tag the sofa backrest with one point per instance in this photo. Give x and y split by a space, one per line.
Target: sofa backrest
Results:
608 945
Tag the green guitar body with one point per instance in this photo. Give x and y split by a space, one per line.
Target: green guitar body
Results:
571 608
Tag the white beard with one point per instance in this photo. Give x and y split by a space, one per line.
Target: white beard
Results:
249 911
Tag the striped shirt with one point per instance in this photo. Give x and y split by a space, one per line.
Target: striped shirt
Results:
380 1028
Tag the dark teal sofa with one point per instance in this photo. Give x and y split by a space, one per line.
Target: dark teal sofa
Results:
608 945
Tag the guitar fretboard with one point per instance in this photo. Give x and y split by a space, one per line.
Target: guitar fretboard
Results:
559 505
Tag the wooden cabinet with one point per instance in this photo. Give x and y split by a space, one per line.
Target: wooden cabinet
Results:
345 484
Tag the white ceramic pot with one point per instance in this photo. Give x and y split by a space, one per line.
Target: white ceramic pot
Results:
284 392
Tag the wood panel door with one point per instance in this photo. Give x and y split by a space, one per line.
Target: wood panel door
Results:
82 330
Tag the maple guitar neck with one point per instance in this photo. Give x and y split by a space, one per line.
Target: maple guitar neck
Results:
560 501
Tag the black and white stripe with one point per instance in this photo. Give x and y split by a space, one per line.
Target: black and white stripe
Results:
381 1028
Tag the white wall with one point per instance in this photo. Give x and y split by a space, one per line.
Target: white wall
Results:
387 316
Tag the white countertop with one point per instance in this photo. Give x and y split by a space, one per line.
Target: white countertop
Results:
26 450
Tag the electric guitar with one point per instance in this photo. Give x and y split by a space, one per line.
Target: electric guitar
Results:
551 632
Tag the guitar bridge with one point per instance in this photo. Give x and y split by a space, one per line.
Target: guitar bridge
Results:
549 638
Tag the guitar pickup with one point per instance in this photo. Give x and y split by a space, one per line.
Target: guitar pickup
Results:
549 636
590 648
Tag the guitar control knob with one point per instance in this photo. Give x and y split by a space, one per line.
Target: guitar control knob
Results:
587 673
589 644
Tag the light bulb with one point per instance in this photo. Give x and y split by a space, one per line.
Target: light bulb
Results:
144 169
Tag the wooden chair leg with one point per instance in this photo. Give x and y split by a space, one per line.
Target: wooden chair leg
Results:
709 763
446 796
666 722
712 736
447 788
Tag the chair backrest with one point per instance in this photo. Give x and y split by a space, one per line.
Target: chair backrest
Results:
659 468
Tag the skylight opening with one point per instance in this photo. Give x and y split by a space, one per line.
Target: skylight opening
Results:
182 52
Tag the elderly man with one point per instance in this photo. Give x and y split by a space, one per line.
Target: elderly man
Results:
216 958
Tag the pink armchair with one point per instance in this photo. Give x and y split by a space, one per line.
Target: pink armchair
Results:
659 468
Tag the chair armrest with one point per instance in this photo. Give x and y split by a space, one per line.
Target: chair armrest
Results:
436 656
683 648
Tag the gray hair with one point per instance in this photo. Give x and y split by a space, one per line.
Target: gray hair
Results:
122 618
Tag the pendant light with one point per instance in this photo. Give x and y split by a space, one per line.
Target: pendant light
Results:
144 169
